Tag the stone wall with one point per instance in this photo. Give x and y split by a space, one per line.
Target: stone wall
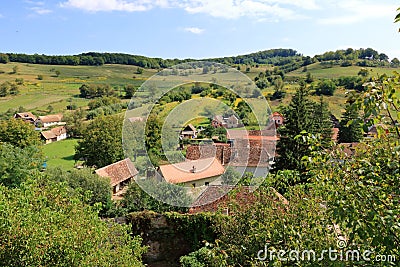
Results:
168 237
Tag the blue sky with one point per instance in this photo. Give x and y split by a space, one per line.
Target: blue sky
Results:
197 28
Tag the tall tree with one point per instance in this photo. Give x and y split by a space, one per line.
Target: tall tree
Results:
322 122
102 142
129 90
18 133
350 129
18 165
299 117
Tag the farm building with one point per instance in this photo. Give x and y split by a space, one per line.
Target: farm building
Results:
54 135
50 120
120 173
192 173
26 116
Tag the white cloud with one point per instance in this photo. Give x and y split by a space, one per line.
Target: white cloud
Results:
358 11
111 5
41 11
229 9
36 3
194 30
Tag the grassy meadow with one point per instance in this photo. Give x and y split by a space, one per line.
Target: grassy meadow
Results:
60 154
63 89
59 85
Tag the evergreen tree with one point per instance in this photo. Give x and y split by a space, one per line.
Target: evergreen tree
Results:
322 122
299 117
350 129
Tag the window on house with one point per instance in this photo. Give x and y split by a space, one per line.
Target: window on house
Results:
206 183
194 184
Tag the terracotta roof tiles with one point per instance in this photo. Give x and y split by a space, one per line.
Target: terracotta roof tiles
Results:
118 171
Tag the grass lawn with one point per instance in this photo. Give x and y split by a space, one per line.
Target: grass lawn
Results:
320 72
60 154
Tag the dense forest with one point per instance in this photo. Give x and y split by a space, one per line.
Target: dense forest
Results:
287 59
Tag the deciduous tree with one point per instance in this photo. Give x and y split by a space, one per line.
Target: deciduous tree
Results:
101 144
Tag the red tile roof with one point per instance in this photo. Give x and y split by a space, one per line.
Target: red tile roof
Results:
25 116
183 172
51 118
53 133
119 171
217 197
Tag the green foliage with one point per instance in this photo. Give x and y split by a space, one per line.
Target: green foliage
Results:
267 221
322 123
40 77
299 120
362 194
17 164
351 82
103 101
18 133
209 131
45 224
153 135
139 70
8 88
137 197
75 122
350 129
204 257
15 70
325 87
363 72
309 78
283 180
92 90
380 102
178 94
101 144
245 113
97 189
230 176
4 58
130 90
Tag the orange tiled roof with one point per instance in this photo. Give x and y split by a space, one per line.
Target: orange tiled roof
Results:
118 171
53 133
51 118
25 116
183 172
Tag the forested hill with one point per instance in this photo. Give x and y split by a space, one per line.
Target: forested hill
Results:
286 59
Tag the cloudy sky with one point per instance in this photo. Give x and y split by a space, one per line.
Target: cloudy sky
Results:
197 28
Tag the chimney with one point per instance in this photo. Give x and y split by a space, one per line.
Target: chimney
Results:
193 170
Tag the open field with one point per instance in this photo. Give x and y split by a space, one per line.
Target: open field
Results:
318 71
60 154
62 90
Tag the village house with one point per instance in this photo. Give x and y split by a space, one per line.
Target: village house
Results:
217 198
120 174
54 135
26 116
373 130
228 122
189 132
192 173
50 120
278 119
247 151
